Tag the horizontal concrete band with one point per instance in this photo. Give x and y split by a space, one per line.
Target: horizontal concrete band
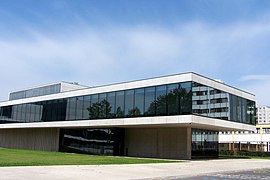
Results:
191 121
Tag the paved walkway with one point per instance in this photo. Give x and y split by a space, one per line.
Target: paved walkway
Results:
137 171
257 174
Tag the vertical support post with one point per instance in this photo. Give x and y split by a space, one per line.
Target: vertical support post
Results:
189 143
234 152
261 132
239 148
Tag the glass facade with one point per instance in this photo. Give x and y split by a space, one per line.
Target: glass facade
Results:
93 141
45 90
204 143
163 100
210 102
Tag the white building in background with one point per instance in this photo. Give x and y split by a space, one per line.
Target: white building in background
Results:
263 114
258 140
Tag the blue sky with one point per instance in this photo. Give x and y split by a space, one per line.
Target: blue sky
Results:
96 42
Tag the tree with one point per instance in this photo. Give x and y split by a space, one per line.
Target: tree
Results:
99 109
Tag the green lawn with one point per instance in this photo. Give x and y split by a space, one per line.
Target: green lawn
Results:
14 157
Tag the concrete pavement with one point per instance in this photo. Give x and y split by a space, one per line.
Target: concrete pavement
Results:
133 171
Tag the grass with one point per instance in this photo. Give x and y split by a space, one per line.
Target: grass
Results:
241 157
14 157
233 157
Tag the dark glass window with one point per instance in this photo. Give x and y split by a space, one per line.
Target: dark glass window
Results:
93 141
251 112
120 96
219 100
161 100
111 105
38 112
14 112
238 109
150 107
215 91
94 108
244 110
103 105
43 116
21 112
54 110
32 112
139 102
18 113
185 94
79 108
129 103
233 107
50 110
173 99
204 143
62 108
72 108
28 111
7 112
1 113
86 106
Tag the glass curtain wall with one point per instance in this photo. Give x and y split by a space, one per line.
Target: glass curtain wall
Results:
51 89
210 102
139 102
204 143
93 141
163 100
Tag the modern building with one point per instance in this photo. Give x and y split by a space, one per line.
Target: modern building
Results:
263 113
175 116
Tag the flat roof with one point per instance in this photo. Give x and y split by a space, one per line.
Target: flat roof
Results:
175 78
50 84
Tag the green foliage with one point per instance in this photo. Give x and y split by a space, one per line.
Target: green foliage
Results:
99 109
14 157
119 112
134 112
244 154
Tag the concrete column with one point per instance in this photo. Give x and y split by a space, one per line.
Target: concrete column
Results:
189 143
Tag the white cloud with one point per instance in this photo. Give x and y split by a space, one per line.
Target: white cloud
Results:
255 77
94 55
259 84
261 89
